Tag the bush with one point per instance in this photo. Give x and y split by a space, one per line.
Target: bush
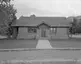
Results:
3 30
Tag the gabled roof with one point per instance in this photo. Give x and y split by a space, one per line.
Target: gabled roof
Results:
34 21
43 23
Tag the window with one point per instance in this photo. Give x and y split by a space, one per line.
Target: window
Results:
52 30
32 30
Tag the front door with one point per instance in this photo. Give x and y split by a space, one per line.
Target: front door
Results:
43 33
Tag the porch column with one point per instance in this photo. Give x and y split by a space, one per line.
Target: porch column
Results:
55 31
48 33
68 33
15 32
38 33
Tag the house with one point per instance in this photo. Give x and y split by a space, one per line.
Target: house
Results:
41 28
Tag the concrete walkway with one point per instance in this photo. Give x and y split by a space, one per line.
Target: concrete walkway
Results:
43 44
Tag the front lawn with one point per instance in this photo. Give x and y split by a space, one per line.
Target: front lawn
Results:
9 44
66 43
56 43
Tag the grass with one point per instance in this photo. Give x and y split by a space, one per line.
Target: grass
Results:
57 43
10 44
65 43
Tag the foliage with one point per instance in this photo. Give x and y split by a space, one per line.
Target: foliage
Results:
8 9
3 30
75 26
5 1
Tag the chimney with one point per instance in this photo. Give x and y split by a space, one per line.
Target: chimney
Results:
32 17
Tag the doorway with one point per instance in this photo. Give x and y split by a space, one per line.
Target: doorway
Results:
43 33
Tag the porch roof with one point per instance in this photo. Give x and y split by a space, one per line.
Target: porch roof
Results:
53 26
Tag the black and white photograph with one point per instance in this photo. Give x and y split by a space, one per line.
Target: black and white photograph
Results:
40 31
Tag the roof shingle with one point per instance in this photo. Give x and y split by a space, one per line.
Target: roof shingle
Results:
34 21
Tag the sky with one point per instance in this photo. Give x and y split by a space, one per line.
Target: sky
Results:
47 7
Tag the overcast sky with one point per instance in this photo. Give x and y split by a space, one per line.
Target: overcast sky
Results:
48 7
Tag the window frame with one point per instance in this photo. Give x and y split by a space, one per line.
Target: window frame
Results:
53 30
32 30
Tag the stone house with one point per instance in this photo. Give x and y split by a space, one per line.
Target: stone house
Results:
41 27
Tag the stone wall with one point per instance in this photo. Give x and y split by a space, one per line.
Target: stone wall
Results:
60 34
23 34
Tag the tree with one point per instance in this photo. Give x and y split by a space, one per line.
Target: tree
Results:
8 9
75 26
78 27
5 1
